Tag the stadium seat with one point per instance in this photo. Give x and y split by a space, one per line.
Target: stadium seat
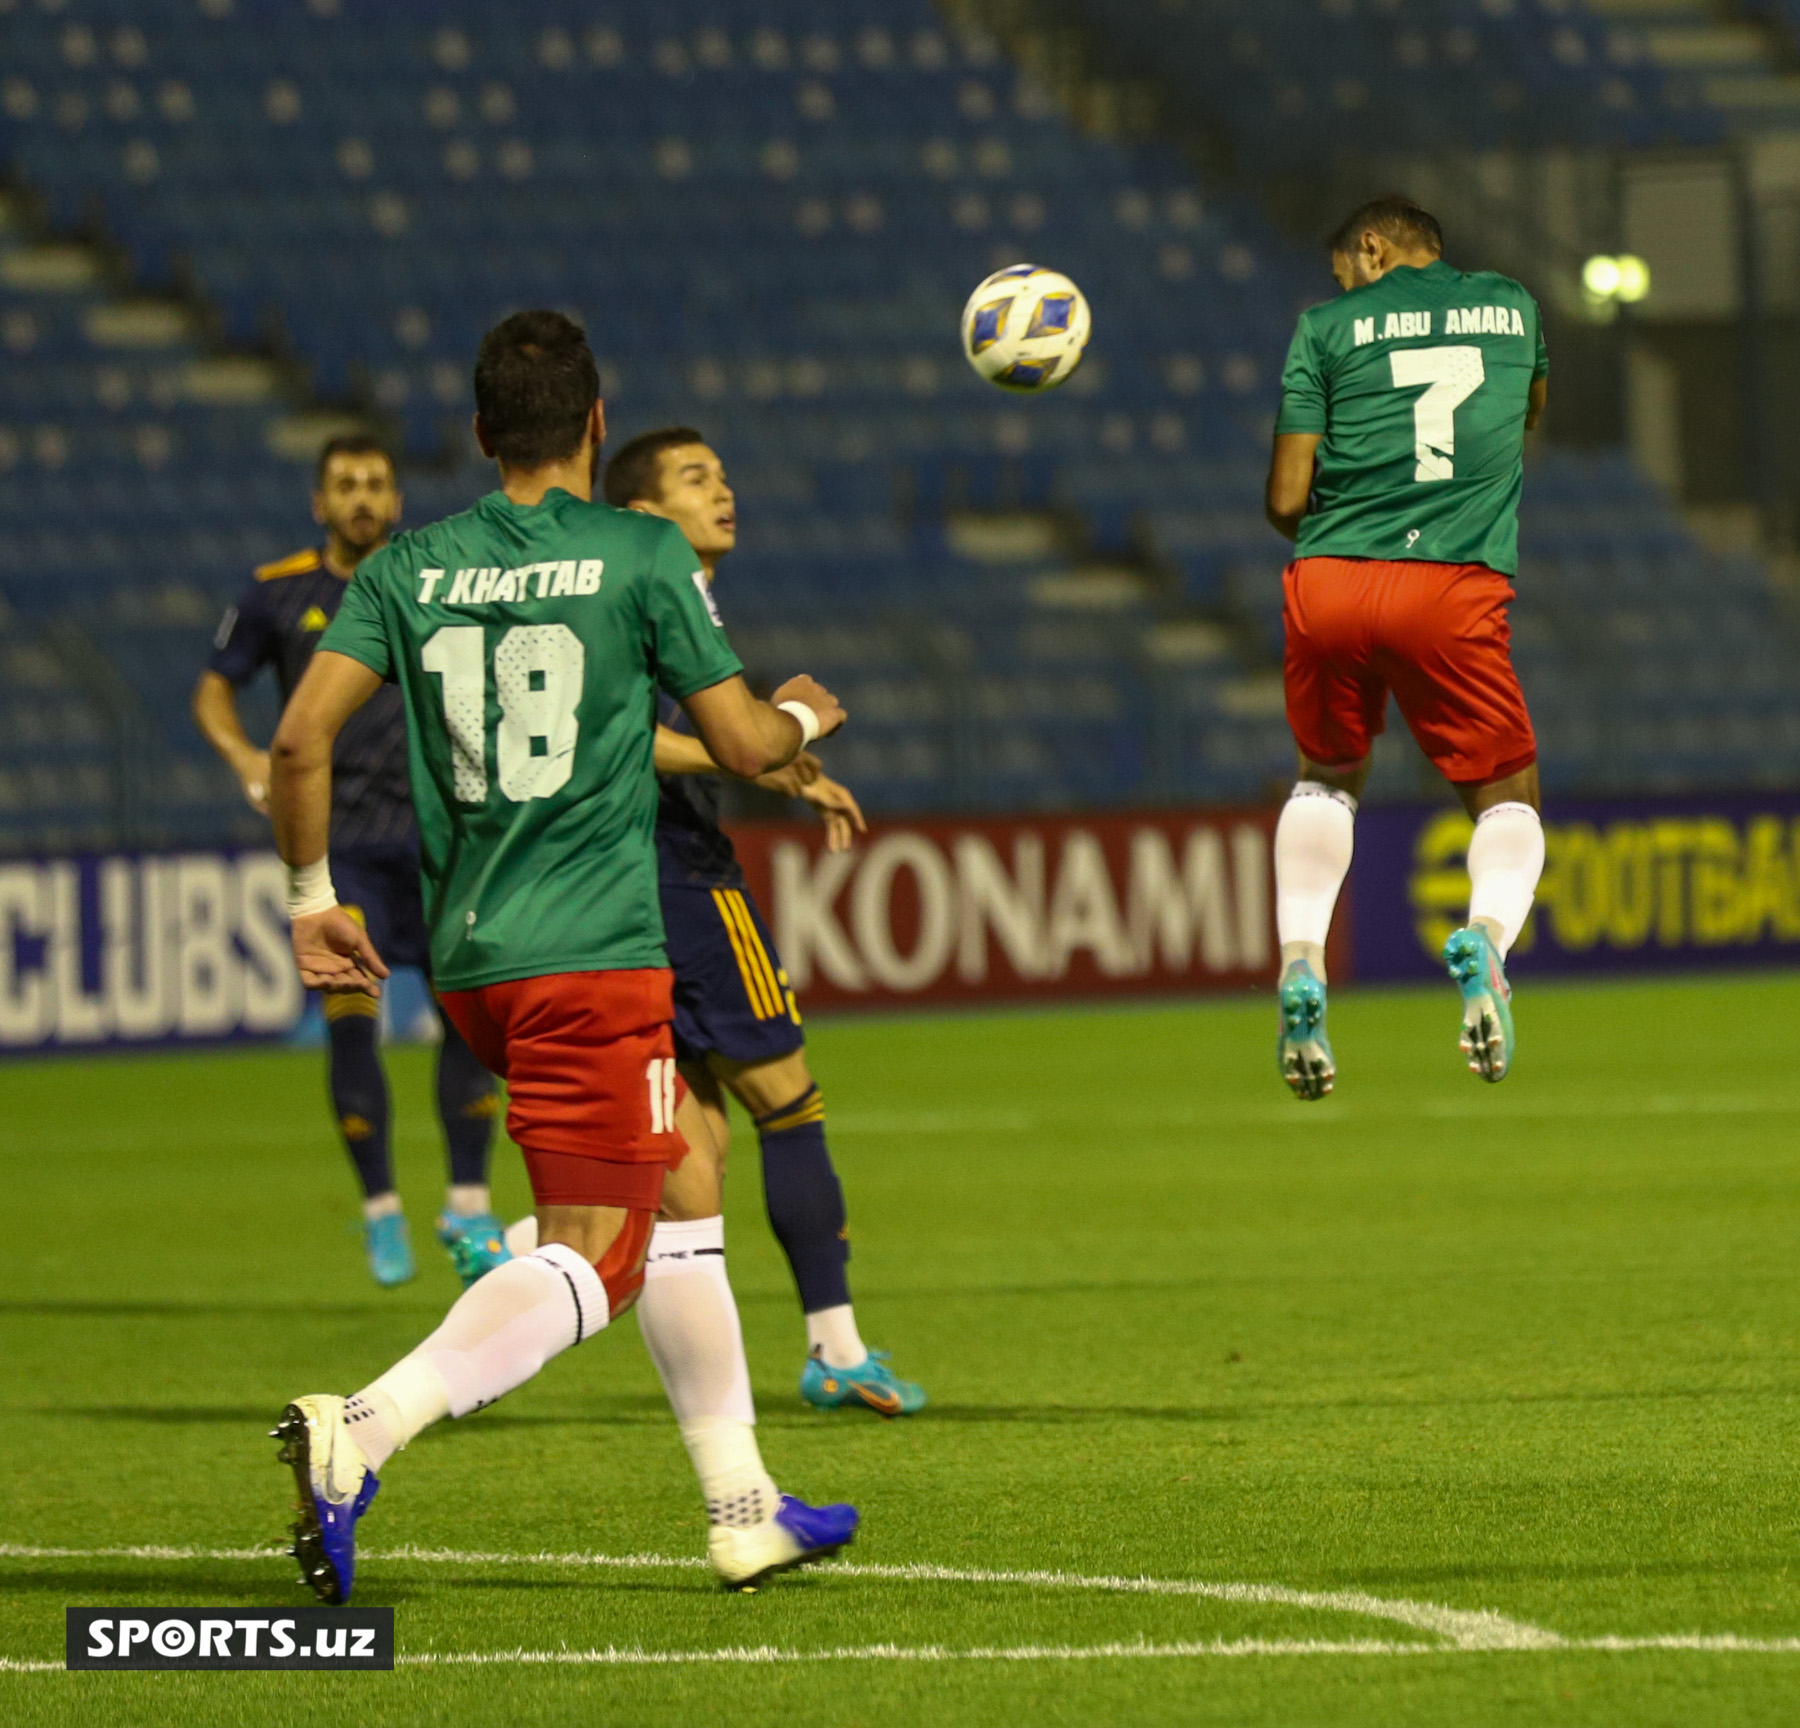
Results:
771 220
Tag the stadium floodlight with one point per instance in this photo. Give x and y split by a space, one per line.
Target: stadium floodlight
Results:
1600 277
1607 281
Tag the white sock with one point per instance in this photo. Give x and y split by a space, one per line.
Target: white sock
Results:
1313 843
832 1332
689 1319
382 1206
468 1200
498 1334
1506 858
521 1238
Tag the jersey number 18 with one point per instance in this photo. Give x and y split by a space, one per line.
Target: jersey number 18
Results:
538 671
1451 377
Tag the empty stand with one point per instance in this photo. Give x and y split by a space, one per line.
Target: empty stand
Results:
770 215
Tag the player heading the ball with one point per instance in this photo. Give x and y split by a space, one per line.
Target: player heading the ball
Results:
529 636
1398 467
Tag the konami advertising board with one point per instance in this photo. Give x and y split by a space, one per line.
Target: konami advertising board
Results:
137 949
944 912
142 950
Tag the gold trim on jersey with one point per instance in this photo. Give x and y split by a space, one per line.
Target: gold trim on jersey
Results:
295 564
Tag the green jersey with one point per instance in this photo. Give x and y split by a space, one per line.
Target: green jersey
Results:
528 643
1419 384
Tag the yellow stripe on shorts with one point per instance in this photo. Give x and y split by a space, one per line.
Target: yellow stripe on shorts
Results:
754 988
760 955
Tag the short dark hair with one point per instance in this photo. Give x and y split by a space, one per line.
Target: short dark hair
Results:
535 384
351 444
1395 217
632 473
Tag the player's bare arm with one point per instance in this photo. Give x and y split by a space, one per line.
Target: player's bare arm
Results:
1535 403
747 736
331 949
1290 481
804 778
838 810
216 714
682 753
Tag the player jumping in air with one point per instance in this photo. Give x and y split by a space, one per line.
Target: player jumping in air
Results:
528 637
277 622
1399 460
737 1024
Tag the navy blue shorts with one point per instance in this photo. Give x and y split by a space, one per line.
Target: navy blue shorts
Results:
381 885
731 995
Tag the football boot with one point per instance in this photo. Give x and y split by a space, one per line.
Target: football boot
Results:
1302 1050
871 1383
335 1485
795 1535
477 1243
1487 1022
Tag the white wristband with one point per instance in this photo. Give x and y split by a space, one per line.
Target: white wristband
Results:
309 889
808 718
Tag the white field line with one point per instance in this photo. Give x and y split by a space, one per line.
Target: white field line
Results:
1079 1652
1013 1122
1462 1631
769 1655
1466 1629
1259 1115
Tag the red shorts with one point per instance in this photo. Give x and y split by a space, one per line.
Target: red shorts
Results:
589 1065
1434 634
621 1268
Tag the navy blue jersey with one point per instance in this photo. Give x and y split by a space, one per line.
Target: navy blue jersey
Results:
691 848
277 622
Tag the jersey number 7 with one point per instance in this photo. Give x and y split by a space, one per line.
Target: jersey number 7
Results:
1452 376
538 671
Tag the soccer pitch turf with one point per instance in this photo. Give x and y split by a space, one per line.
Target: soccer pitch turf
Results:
1407 1404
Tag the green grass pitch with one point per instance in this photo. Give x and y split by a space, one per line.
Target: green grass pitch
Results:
1440 1363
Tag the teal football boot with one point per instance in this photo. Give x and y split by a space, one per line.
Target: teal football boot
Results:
389 1246
477 1243
872 1383
1487 1029
1302 1050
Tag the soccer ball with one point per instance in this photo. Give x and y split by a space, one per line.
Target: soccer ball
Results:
1025 329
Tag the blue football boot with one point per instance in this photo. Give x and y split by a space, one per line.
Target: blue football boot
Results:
477 1243
796 1535
389 1245
1487 1029
872 1383
1302 1050
336 1486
